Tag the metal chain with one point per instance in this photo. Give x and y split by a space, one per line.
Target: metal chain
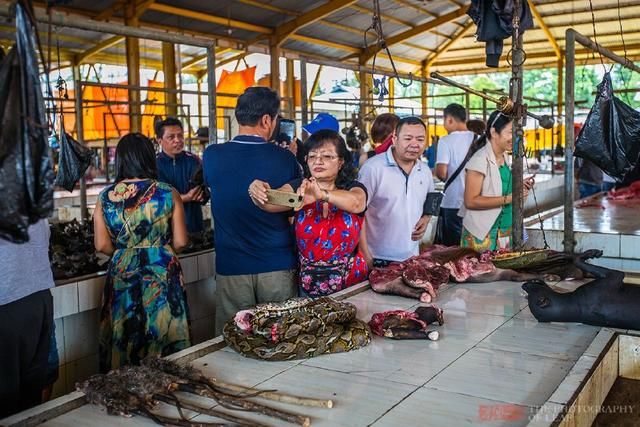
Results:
381 44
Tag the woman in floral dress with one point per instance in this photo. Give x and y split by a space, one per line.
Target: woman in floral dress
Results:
328 225
140 222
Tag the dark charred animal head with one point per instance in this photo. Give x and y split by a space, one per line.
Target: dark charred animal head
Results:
545 303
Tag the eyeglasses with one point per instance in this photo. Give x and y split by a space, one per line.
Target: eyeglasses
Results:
495 119
326 158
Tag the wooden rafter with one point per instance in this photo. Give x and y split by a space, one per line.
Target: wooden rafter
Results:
545 29
447 17
207 17
105 44
314 15
266 6
201 58
479 59
448 44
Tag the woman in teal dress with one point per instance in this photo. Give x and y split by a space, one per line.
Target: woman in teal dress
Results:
140 222
487 210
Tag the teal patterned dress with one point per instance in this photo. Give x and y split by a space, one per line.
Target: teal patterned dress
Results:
144 307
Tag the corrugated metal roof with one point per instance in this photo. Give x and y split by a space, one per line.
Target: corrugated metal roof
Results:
345 26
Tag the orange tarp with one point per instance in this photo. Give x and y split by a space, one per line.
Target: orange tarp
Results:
232 83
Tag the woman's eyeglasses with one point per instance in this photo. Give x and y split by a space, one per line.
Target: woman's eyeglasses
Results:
326 158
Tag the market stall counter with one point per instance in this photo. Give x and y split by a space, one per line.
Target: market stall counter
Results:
494 363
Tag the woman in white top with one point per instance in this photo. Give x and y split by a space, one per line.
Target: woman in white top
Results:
487 196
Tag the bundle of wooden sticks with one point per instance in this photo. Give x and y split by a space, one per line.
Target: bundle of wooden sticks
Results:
133 390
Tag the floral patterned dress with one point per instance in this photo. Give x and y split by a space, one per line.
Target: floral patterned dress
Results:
144 308
330 246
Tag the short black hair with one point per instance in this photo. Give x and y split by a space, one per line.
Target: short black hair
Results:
411 120
457 111
135 158
347 172
169 121
254 103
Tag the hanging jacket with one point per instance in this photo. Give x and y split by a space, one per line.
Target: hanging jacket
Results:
179 173
493 19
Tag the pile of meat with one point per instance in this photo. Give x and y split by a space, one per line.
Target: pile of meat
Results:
401 324
626 193
427 272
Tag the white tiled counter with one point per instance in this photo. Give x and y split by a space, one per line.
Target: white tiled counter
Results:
493 365
76 315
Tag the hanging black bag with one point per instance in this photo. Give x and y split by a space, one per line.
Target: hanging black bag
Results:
26 170
610 137
74 160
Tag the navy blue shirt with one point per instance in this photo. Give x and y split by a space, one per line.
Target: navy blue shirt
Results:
178 173
248 239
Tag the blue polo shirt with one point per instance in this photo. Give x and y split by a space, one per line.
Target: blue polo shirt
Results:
248 239
178 172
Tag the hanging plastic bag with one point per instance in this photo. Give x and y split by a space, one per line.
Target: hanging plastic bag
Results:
73 162
610 137
26 170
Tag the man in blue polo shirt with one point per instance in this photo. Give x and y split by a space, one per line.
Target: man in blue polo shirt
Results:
255 257
177 167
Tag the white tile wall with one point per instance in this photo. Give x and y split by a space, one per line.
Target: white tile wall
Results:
630 246
90 293
608 243
81 334
65 300
190 268
206 267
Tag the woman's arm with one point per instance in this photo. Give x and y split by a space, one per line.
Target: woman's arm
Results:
473 189
364 247
352 201
101 237
180 238
258 194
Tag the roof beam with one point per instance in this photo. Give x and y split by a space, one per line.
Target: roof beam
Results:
289 28
326 43
201 58
266 6
206 17
448 44
545 29
105 44
108 12
399 38
532 55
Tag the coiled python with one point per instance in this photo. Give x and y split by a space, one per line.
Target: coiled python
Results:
297 328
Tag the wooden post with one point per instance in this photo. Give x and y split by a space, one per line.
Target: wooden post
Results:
133 73
169 71
424 90
291 88
274 52
364 93
392 94
304 96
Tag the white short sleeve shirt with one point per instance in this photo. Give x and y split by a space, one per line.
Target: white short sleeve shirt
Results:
395 205
452 150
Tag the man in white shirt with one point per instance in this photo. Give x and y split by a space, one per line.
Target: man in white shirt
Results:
452 149
397 183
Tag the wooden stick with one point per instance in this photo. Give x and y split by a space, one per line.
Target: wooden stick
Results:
233 402
272 395
207 411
